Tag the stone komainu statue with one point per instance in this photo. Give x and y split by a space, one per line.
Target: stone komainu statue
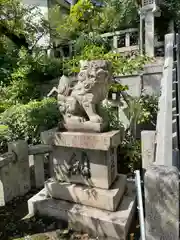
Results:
78 100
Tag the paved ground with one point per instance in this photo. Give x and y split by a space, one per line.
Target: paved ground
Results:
14 226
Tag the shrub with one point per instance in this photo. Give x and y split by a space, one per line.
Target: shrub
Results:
129 154
4 138
29 120
121 65
141 110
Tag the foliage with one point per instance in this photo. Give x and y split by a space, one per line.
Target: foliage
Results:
86 17
130 152
19 23
149 109
83 18
21 57
29 120
4 138
139 111
173 8
121 65
117 87
18 86
119 15
85 40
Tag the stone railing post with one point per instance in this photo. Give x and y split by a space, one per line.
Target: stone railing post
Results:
39 170
127 39
149 33
9 187
115 42
37 154
22 172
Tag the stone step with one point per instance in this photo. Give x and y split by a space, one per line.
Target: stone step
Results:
94 197
95 222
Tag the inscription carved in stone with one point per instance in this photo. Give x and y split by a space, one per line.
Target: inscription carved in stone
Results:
79 166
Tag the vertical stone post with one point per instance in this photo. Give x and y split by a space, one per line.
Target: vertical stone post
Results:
161 202
127 40
20 149
149 33
39 170
148 148
115 42
51 167
9 188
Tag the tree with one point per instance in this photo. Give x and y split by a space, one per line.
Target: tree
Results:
119 14
87 21
173 8
16 23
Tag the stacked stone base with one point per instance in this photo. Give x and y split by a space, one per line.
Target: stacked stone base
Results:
106 199
103 204
96 222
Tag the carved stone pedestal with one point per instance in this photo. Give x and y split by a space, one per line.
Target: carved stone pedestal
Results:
85 189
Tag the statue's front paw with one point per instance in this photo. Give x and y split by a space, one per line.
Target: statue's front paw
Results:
96 119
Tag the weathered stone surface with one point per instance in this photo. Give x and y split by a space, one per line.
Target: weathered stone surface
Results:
39 149
94 141
78 100
94 197
6 158
102 165
91 220
84 140
14 172
20 148
149 33
48 136
39 170
9 187
85 126
162 203
148 139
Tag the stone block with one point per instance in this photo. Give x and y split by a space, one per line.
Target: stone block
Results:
94 197
134 84
162 203
148 139
39 170
95 222
20 149
85 126
94 141
149 33
47 136
14 172
39 149
8 183
102 165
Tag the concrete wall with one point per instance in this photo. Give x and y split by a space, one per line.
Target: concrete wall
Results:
150 81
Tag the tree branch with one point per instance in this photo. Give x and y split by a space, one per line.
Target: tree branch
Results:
20 40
